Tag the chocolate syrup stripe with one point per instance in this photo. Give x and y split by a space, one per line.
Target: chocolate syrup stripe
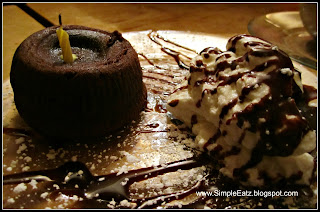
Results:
149 61
17 132
173 53
156 201
160 80
93 186
176 57
153 35
310 93
28 134
212 140
181 88
171 74
237 38
158 89
223 112
158 73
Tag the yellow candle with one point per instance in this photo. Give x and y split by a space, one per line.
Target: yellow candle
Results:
64 42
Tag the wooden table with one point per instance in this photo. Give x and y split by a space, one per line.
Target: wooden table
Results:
219 19
223 20
17 26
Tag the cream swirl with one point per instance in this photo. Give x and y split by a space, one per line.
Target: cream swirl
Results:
241 106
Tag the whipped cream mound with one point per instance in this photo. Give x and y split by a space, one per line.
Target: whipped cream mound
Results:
240 104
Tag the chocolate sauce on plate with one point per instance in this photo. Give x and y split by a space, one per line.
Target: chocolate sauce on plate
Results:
105 187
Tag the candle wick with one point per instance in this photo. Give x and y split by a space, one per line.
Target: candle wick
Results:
60 21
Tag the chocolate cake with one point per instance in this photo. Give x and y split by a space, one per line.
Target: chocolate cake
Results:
98 93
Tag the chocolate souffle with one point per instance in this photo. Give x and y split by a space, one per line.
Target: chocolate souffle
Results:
98 93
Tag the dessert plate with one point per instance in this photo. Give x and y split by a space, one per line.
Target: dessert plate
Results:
286 30
161 153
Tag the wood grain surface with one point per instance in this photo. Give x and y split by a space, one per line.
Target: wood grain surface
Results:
220 19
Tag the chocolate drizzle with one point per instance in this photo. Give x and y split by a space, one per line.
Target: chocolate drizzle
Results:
310 93
154 36
194 120
181 88
274 108
175 55
227 107
309 112
212 140
174 103
110 187
18 132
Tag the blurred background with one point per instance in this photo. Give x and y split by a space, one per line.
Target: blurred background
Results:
219 19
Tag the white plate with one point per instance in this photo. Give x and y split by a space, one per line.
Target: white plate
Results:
130 151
